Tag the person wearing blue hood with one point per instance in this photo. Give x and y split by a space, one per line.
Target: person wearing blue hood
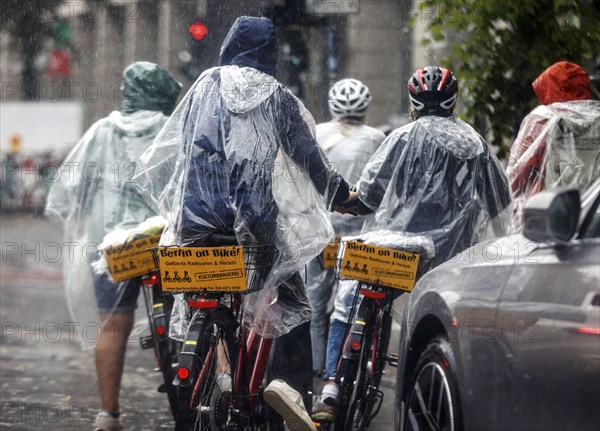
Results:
239 157
92 203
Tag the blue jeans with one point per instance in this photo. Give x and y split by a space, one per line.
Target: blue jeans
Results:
337 329
319 287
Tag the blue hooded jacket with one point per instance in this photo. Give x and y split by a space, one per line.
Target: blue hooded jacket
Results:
251 42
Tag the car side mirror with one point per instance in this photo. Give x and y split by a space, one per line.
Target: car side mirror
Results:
552 216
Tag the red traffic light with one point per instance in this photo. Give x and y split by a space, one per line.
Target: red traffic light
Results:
198 30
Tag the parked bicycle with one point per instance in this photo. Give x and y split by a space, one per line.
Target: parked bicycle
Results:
222 365
364 353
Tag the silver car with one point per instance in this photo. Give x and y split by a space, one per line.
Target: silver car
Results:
506 336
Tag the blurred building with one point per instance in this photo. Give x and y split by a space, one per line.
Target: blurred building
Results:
320 41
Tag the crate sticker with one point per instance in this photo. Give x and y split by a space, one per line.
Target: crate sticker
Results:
329 255
197 269
131 259
379 265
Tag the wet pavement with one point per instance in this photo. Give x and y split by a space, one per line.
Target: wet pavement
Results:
47 382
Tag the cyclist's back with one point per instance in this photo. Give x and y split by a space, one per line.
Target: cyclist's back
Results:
435 176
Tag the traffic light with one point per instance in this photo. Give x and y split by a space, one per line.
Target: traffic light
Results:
194 65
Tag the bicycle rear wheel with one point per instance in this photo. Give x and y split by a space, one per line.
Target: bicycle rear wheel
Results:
205 403
165 348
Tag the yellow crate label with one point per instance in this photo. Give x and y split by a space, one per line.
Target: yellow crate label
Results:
330 252
379 265
131 259
195 269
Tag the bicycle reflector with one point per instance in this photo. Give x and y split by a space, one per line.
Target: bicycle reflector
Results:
160 330
151 280
183 373
355 345
202 303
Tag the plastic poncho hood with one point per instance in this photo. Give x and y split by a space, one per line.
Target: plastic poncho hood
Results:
437 178
251 42
148 87
563 82
238 156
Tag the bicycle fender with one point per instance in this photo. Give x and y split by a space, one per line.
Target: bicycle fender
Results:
188 357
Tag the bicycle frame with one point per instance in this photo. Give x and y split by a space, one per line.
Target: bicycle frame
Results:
366 330
252 354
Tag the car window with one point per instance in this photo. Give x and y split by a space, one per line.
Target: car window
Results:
591 224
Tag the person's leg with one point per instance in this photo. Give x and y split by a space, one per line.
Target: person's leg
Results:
117 303
110 357
319 287
290 390
337 331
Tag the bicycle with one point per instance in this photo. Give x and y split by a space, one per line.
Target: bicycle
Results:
158 309
222 365
364 354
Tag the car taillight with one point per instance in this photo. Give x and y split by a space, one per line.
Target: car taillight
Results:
591 331
183 373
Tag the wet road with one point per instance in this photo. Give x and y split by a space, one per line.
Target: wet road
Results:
47 382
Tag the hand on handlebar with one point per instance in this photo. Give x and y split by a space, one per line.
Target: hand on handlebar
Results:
348 205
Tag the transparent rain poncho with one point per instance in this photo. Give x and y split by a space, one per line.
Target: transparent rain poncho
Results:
94 193
557 145
437 178
349 145
239 157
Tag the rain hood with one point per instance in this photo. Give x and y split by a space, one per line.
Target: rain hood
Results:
562 82
436 177
251 42
148 87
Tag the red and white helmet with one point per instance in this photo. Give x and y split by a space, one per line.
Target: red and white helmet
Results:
433 89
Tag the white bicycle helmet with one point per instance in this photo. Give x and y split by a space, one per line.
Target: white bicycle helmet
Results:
349 97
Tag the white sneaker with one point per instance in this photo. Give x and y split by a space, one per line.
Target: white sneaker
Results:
107 422
224 382
289 404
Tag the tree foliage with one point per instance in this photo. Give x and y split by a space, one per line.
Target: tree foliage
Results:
498 47
30 23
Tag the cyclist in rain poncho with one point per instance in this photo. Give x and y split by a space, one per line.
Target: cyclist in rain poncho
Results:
239 156
435 179
559 141
94 196
349 144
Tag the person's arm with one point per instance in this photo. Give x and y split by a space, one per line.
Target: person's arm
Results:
301 146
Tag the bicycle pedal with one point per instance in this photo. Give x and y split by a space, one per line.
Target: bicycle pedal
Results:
147 342
392 360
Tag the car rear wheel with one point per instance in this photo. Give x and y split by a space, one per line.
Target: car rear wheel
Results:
432 401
